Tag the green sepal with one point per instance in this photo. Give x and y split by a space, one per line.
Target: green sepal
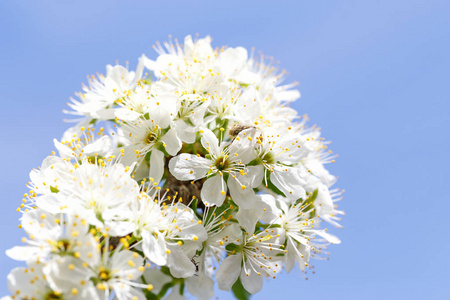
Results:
239 291
182 285
194 209
233 247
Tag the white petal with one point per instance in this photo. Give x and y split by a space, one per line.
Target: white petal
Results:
248 217
101 146
18 280
232 60
242 148
210 142
289 96
189 167
272 211
148 63
289 182
290 257
245 198
174 295
229 271
180 265
127 264
248 107
199 113
252 283
126 114
171 142
156 165
154 249
41 225
254 176
64 151
23 253
105 113
126 292
51 203
201 286
214 190
329 237
184 132
60 277
156 278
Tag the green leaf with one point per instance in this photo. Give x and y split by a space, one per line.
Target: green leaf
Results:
53 189
239 291
233 247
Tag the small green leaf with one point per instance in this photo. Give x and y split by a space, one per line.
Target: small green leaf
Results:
239 291
53 189
233 247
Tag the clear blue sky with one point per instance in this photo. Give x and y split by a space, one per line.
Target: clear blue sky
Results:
373 74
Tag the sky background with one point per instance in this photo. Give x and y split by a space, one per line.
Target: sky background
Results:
373 74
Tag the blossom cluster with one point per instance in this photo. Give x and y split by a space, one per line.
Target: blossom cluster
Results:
190 170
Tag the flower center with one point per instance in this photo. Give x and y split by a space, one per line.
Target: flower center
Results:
53 296
222 163
268 158
151 138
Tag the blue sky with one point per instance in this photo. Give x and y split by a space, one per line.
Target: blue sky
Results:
373 74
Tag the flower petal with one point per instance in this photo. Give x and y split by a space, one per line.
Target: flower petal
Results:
180 265
252 283
210 142
288 181
154 250
171 142
214 190
244 196
189 167
156 165
229 272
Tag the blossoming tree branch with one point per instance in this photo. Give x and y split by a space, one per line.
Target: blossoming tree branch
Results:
189 171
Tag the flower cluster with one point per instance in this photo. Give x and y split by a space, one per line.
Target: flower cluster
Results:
189 170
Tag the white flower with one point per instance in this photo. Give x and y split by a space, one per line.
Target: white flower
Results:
264 77
54 174
170 65
116 272
190 115
51 234
102 93
253 257
99 193
225 167
302 230
66 275
86 147
171 234
150 137
31 283
277 151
